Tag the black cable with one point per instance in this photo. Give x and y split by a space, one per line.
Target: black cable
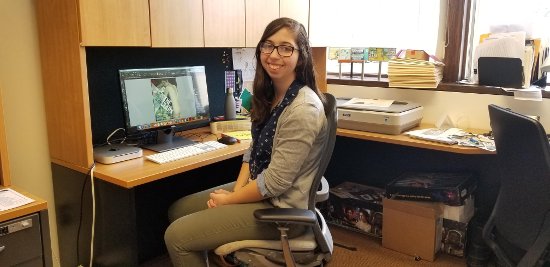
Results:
114 141
80 218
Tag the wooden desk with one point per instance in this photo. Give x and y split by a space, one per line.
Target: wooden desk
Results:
382 157
36 206
140 171
38 242
132 199
411 142
376 159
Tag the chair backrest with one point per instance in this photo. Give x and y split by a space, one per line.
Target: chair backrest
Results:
522 209
330 113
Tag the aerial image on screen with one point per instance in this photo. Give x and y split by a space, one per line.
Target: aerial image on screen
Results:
162 98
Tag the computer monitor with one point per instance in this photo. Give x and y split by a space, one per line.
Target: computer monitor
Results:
165 100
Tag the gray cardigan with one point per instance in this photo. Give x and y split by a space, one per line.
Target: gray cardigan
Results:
298 143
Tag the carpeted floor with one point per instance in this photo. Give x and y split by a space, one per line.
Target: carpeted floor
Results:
369 252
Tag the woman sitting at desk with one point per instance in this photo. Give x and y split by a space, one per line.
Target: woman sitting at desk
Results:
289 130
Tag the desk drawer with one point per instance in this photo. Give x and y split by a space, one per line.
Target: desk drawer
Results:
21 242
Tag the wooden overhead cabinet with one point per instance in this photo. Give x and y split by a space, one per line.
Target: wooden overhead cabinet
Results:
65 82
259 13
295 9
224 23
114 22
176 23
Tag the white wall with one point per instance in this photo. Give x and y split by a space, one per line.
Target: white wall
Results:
21 85
469 110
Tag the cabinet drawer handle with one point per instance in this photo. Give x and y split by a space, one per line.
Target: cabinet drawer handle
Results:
2 248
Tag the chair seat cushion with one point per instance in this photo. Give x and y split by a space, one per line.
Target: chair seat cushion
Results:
304 242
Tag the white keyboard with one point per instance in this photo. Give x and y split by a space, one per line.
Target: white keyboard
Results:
185 152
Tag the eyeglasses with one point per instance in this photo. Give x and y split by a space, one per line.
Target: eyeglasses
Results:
282 50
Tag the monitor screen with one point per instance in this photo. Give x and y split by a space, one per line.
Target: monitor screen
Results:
162 99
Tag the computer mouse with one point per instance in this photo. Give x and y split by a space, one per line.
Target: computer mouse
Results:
228 140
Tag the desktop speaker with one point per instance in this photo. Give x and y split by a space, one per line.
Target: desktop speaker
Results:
114 153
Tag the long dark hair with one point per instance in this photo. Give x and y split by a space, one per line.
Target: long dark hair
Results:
305 73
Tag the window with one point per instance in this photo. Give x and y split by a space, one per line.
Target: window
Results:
452 36
400 24
532 16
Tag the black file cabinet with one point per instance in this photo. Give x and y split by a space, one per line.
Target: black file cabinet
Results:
21 242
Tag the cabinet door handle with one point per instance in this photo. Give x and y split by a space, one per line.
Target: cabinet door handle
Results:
2 248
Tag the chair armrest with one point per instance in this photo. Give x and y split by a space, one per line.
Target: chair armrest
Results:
286 215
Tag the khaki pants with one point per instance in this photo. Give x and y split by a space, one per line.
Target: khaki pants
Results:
196 229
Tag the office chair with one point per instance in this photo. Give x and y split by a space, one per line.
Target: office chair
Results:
518 230
312 248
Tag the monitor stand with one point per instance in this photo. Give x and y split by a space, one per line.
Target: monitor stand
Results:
166 140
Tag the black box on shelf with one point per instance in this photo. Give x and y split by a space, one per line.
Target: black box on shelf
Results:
449 188
454 237
356 207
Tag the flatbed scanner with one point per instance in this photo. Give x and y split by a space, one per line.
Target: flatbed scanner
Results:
380 116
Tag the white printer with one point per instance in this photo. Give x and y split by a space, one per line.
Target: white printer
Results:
376 115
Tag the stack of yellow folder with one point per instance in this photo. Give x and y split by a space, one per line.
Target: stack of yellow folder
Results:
239 135
414 73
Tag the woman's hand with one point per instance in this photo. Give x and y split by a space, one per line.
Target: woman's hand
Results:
218 198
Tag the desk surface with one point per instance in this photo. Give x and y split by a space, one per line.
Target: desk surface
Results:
407 141
140 171
36 206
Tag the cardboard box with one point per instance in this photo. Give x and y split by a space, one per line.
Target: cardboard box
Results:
412 227
449 188
357 207
454 237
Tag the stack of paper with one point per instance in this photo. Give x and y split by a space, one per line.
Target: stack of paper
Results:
239 135
414 73
10 199
444 136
